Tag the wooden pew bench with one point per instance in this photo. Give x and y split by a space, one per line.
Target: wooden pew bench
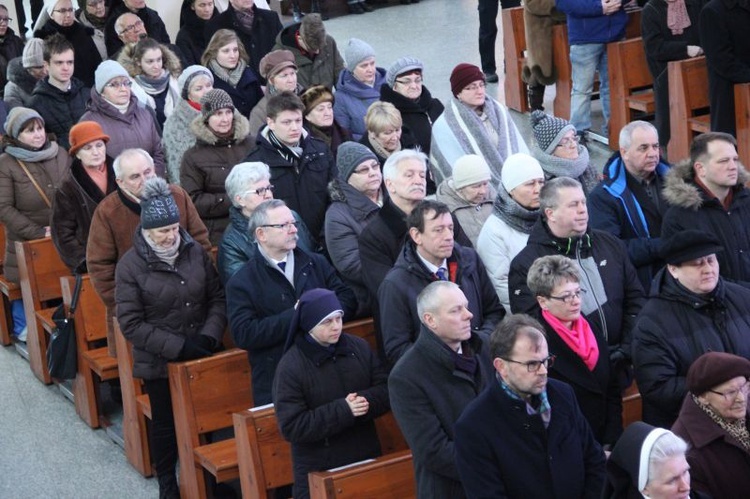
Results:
365 329
10 291
514 46
688 105
632 406
742 117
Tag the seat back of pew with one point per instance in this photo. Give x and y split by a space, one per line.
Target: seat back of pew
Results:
742 117
205 394
365 329
632 406
39 270
10 291
389 434
688 104
514 45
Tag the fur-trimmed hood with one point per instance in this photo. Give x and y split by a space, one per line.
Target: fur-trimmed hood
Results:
205 135
681 190
18 75
170 61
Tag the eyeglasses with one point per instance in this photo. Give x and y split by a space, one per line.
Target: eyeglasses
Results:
568 297
128 29
365 169
475 86
94 3
569 141
5 20
285 226
731 395
261 190
534 365
119 84
65 12
407 82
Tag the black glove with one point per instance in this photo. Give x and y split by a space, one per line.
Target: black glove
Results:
193 350
205 342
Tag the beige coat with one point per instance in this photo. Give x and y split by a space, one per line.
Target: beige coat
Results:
539 16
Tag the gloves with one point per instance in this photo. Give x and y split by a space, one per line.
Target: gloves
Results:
192 349
206 342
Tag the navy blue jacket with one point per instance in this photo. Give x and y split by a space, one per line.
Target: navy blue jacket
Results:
587 23
246 94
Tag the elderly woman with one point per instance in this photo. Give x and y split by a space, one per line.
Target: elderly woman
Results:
193 83
328 389
514 213
23 74
469 195
129 124
191 39
32 168
558 150
356 197
227 59
164 270
222 141
648 462
582 357
247 186
418 108
473 123
154 69
358 86
280 71
91 180
385 134
714 422
319 118
93 14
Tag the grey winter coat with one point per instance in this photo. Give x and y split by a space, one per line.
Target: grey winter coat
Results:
176 138
20 85
470 217
324 69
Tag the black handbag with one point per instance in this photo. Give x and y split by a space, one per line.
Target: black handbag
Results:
62 352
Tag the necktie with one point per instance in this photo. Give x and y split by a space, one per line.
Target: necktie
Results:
441 274
282 266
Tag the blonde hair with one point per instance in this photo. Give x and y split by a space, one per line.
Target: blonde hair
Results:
381 116
222 38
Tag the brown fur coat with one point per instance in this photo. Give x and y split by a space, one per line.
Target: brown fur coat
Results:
539 16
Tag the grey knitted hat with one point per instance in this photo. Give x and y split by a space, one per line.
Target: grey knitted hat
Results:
213 100
401 66
158 208
33 54
188 75
350 155
17 119
106 71
357 51
549 130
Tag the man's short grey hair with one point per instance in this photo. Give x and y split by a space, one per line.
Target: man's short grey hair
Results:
242 175
428 301
626 134
126 155
260 215
390 168
665 447
120 22
548 197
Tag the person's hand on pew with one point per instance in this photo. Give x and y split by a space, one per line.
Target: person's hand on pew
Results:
609 7
358 405
192 349
694 51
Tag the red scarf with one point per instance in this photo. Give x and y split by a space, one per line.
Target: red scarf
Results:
580 338
194 105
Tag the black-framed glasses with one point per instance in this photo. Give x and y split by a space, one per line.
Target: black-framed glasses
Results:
534 365
568 297
407 82
127 29
5 20
285 226
731 395
260 191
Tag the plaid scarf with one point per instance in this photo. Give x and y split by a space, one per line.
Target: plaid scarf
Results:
736 429
544 409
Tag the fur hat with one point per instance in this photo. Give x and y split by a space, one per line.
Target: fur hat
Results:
401 66
83 133
714 368
313 32
463 75
158 208
33 54
213 100
314 96
313 307
106 71
470 169
350 155
276 61
357 51
519 168
688 245
188 75
549 130
17 119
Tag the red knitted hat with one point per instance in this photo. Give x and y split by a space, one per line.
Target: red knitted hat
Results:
464 74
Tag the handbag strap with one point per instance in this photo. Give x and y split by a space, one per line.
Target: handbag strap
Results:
33 181
76 294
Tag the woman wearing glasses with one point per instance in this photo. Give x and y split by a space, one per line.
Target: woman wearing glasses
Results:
581 356
714 422
559 152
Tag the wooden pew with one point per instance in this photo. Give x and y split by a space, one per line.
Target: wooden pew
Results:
94 363
39 270
688 104
205 394
742 117
632 406
10 291
514 45
630 85
363 328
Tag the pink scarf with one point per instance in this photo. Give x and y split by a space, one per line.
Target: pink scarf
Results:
677 16
580 338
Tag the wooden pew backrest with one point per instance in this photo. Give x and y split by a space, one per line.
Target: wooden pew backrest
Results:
688 104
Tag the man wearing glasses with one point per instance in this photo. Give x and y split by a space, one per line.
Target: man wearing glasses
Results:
11 46
262 294
149 18
524 436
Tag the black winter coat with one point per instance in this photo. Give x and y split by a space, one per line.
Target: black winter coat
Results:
310 391
246 94
260 305
418 116
397 298
87 54
60 110
676 327
303 184
191 39
152 22
11 46
159 305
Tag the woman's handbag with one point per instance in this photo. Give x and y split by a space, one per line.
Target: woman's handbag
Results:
62 352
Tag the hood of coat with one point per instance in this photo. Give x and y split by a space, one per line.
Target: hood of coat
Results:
18 75
681 190
170 61
360 205
205 135
348 84
447 193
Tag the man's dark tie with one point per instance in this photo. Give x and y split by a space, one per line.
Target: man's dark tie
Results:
282 266
441 274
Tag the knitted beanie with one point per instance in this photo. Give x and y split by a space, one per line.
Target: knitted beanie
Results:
313 32
33 54
213 100
401 66
350 155
519 168
83 133
17 119
357 51
463 75
158 208
549 130
714 368
314 96
275 62
188 75
470 169
106 71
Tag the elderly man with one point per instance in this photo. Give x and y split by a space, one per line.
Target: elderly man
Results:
115 221
432 383
261 295
525 436
146 20
613 294
429 255
628 203
692 310
709 193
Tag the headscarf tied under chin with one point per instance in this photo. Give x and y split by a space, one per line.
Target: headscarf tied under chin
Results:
677 16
